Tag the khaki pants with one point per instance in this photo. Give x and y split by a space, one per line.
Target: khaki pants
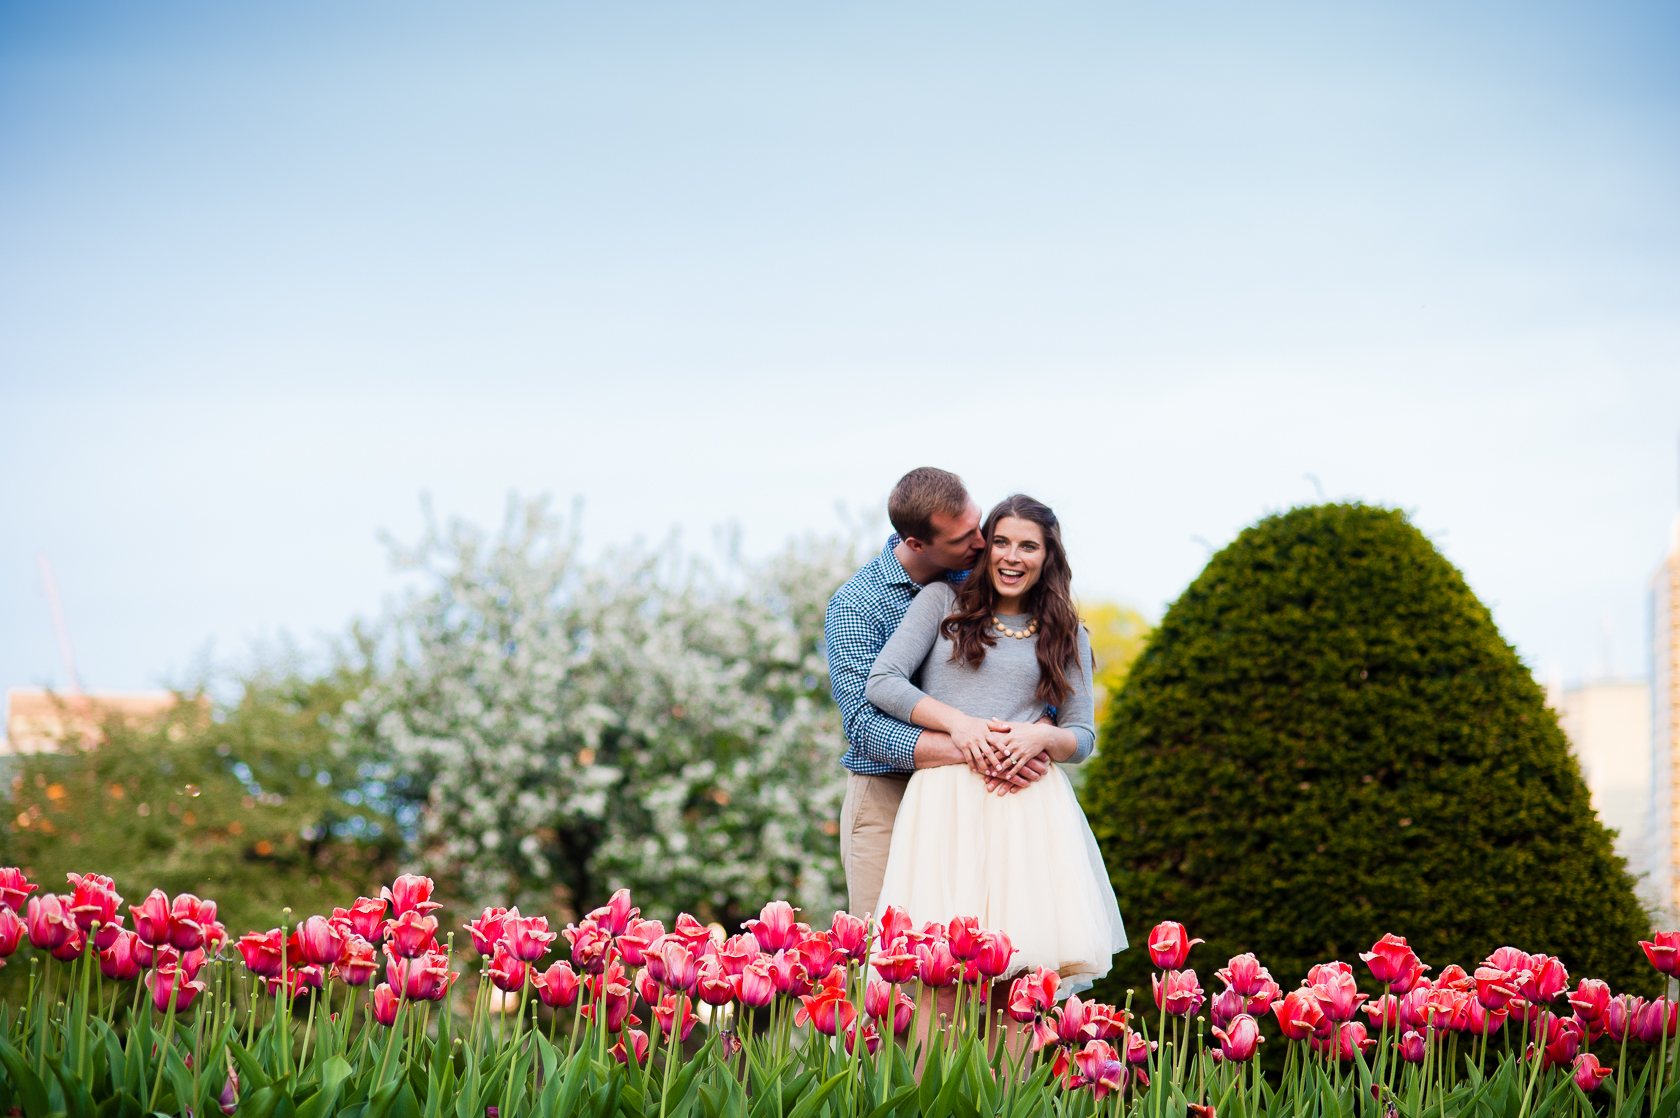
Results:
866 827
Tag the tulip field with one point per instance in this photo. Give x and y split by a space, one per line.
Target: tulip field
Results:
362 1012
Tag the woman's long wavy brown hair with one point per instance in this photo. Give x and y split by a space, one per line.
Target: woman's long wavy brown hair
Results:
1050 601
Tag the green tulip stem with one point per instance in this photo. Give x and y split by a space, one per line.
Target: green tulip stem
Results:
168 1038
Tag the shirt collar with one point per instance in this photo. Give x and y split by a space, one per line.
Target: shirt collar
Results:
891 569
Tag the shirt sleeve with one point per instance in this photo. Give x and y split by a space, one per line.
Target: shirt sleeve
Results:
853 639
1079 712
889 688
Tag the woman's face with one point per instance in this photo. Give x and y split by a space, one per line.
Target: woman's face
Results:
1016 558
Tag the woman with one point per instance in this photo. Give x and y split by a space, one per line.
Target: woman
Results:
993 654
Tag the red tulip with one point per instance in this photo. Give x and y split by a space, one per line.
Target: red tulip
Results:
152 921
1408 981
871 1038
507 972
895 924
1384 1012
675 1012
190 916
261 951
412 934
424 977
897 966
849 935
49 922
1414 1006
1663 950
385 1004
93 898
1137 1050
1563 1040
634 942
1170 944
1299 1014
528 937
818 954
963 932
319 942
1338 993
1389 959
996 953
410 893
1033 994
774 928
1485 1022
827 1008
1239 1040
616 914
1177 993
486 931
365 917
1351 1037
1591 999
758 988
1412 1047
717 986
698 935
737 952
1100 1068
682 971
1546 979
165 981
357 964
1495 987
638 1045
936 965
557 986
788 973
590 945
14 888
1588 1075
1509 959
879 1001
11 932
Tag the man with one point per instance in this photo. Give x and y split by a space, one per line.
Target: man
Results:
936 534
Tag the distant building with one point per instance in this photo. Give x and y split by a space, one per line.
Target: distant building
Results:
1663 845
37 720
1609 728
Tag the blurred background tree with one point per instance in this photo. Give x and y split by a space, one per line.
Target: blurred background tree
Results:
1118 635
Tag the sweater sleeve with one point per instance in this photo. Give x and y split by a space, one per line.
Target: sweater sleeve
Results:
889 689
1079 712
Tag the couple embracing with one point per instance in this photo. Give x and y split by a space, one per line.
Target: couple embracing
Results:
964 680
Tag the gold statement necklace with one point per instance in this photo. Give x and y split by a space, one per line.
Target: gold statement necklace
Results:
1018 634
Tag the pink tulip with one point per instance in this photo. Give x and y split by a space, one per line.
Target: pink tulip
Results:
1259 1003
898 966
1384 1012
93 899
11 932
698 935
506 971
261 951
849 935
871 1038
528 937
172 980
682 971
895 924
675 1012
357 964
117 961
590 945
228 1101
1239 1040
410 893
1351 1037
385 1004
774 927
737 952
1655 1019
152 921
486 931
1226 1007
1509 959
879 1001
1406 982
1620 1016
937 966
365 917
1170 944
716 985
190 916
1100 1068
319 942
638 1046
1177 993
636 938
818 954
1495 987
996 954
788 973
49 922
963 932
1414 1006
412 934
1663 950
1412 1047
1547 978
1299 1014
1070 1019
616 914
1485 1022
1588 1075
424 977
1389 959
14 888
758 988
557 986
1033 994
1591 999
1138 1050
1563 1040
1244 974
1338 993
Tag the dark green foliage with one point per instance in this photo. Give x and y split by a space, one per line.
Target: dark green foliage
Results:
1327 739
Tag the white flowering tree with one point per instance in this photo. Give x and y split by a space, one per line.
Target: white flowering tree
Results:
566 728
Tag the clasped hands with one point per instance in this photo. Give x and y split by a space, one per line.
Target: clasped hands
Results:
1009 755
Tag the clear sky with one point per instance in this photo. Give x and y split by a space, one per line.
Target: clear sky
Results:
270 273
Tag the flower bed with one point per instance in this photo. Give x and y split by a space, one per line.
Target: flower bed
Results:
171 1015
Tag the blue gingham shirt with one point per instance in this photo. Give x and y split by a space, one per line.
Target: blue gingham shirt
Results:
861 616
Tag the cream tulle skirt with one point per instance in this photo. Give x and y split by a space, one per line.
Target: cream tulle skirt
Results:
1025 864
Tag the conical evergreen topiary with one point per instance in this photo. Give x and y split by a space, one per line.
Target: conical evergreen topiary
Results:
1327 739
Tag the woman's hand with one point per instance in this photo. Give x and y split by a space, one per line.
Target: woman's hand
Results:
1017 743
972 736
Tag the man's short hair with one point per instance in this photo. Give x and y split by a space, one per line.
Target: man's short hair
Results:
921 493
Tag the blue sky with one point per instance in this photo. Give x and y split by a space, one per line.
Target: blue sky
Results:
267 276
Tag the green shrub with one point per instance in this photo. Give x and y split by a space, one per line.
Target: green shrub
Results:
1327 739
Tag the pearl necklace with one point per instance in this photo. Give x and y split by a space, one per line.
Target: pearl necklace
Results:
1018 634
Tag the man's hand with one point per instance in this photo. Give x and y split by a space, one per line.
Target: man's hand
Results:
934 750
1034 769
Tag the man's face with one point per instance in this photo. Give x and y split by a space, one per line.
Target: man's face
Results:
956 539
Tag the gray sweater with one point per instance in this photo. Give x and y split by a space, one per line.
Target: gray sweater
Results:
1003 686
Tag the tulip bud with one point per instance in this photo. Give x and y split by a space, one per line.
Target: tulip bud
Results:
638 1045
1412 1046
1587 1074
774 927
1663 951
557 986
1240 1039
616 914
1170 944
385 1004
410 893
758 987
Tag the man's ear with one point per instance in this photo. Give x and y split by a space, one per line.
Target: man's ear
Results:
915 545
